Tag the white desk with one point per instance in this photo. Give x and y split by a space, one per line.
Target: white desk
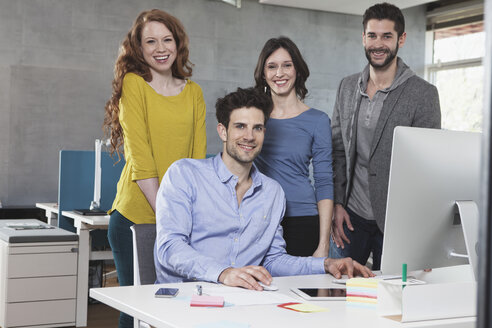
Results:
84 225
51 212
139 302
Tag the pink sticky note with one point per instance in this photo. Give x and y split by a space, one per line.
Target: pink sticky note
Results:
204 300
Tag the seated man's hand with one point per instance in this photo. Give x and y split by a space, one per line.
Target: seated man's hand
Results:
347 266
246 277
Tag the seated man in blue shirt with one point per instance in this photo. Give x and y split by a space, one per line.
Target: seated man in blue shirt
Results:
218 219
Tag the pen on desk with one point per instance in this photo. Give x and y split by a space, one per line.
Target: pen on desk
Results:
199 290
404 274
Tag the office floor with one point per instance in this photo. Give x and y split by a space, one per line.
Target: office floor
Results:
100 315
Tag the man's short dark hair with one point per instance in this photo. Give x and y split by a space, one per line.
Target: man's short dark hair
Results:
249 97
388 11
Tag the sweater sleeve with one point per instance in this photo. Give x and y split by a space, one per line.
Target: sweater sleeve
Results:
322 159
200 134
339 159
133 120
428 114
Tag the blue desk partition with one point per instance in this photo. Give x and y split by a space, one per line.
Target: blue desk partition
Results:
76 182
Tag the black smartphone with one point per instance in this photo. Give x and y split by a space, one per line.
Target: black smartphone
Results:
166 292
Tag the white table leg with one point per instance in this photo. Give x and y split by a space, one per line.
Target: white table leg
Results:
52 218
82 274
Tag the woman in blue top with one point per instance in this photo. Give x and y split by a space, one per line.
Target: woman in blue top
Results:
296 136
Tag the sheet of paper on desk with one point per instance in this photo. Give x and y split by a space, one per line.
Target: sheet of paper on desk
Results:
241 296
306 307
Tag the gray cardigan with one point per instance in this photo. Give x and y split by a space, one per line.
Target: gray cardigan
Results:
414 103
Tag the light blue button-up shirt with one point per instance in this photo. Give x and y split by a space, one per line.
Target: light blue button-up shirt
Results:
201 230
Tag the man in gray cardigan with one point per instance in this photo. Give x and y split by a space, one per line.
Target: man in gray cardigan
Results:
368 107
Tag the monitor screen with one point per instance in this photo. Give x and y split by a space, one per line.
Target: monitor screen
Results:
430 170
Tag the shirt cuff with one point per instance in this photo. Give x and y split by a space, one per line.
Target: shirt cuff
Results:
318 265
324 194
213 272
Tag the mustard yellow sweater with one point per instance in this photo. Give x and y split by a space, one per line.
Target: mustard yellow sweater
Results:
157 131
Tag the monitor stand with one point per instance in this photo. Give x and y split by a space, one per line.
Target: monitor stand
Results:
469 217
467 212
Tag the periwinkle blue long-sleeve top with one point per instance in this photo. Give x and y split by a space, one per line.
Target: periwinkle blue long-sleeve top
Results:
289 146
201 230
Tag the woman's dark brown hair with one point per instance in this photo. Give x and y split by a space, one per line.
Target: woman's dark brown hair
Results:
302 70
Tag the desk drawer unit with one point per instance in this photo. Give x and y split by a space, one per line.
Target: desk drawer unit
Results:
58 313
38 283
42 264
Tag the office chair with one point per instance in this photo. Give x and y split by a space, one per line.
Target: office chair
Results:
143 254
143 259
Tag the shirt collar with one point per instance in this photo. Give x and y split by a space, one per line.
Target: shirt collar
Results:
255 175
225 175
364 76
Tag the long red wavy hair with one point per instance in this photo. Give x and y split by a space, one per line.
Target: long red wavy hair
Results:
130 60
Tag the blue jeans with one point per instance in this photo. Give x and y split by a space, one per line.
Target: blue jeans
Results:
120 239
364 240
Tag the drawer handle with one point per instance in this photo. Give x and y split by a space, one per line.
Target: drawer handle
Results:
74 250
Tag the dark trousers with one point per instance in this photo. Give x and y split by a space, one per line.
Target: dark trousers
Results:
120 240
301 234
364 240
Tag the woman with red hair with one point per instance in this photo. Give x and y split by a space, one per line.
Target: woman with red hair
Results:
157 115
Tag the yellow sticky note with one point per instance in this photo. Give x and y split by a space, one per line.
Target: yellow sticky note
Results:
306 307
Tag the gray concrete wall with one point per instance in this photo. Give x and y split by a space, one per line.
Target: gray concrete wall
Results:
57 56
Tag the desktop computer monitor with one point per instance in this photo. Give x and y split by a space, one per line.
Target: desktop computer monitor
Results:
430 171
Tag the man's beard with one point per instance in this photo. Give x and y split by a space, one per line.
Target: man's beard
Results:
233 152
391 55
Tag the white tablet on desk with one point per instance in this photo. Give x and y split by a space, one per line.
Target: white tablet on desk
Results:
321 294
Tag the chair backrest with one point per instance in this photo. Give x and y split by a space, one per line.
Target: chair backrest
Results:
143 254
76 182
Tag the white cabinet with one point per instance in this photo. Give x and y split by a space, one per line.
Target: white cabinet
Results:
38 282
